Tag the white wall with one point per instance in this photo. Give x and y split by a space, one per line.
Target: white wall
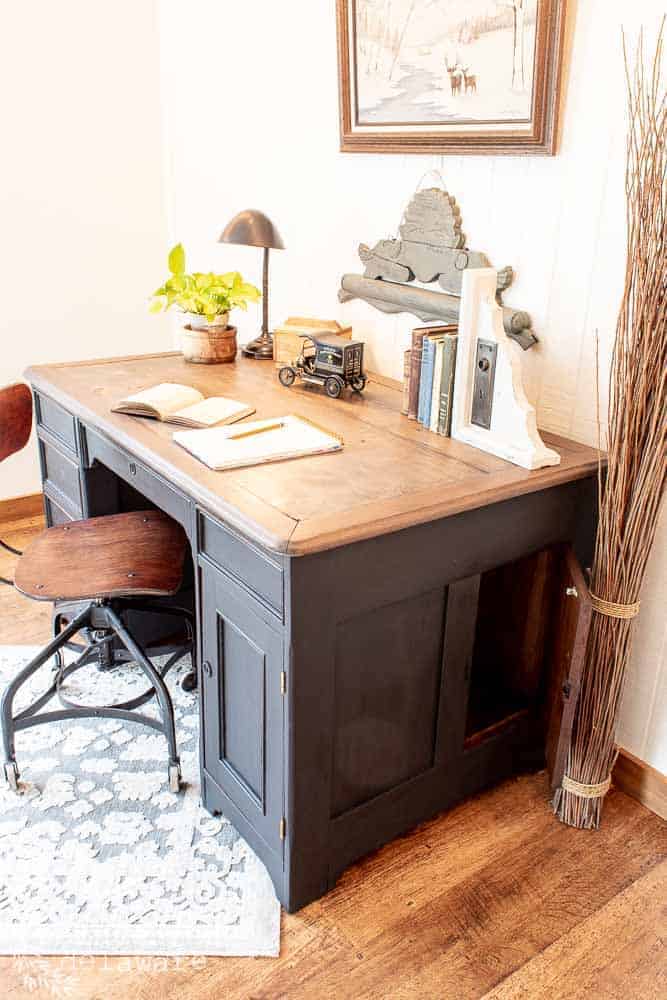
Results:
83 233
251 109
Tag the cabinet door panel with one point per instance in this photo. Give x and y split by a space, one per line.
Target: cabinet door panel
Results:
243 705
242 681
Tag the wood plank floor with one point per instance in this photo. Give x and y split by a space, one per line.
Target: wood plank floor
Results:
494 899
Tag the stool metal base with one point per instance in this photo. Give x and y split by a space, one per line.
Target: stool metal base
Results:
110 656
98 617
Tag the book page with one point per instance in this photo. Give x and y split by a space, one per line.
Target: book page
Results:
232 448
163 399
211 411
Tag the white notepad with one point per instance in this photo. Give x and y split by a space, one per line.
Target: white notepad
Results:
222 448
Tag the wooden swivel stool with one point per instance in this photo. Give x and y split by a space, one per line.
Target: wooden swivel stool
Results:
15 427
107 565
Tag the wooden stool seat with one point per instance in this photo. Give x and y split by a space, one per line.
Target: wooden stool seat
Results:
122 555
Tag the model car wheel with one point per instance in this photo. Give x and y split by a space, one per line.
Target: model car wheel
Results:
333 387
359 383
287 376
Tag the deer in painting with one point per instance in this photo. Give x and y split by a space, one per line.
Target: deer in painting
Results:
455 77
470 81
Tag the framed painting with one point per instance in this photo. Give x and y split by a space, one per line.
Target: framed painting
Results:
450 76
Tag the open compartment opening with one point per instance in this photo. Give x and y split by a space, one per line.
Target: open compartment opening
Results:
508 679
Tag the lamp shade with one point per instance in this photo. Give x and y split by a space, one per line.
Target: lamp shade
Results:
251 228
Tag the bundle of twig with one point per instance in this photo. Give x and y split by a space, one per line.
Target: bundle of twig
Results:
631 495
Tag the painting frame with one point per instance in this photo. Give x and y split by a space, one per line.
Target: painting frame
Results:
538 137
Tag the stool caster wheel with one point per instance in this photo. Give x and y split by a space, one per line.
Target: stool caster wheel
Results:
174 777
189 682
12 775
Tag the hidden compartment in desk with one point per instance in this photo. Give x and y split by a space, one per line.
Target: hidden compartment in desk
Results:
511 663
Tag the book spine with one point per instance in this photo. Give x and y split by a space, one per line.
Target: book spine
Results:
435 392
426 382
405 409
415 374
447 385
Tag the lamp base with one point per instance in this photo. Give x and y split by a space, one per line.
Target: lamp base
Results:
261 348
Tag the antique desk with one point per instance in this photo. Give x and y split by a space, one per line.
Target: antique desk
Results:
375 627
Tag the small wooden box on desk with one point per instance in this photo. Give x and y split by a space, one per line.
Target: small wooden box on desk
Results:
288 338
381 631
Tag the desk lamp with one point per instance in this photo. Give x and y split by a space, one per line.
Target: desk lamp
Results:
254 229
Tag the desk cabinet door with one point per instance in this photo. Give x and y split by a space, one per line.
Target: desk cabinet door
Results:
243 705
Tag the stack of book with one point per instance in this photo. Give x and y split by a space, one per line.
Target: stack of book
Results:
428 377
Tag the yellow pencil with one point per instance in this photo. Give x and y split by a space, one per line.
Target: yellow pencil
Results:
256 430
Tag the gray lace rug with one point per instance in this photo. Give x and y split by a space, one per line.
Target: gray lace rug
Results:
99 857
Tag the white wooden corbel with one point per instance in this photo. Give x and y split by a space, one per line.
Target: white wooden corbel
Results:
513 432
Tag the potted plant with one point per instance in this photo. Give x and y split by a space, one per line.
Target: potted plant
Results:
206 300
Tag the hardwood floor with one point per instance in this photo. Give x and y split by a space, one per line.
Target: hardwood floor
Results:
21 621
494 899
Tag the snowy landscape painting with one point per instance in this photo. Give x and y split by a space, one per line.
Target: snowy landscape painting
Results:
449 67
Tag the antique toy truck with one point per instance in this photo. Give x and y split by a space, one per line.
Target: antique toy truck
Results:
328 360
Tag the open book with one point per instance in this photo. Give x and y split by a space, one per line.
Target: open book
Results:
259 441
181 404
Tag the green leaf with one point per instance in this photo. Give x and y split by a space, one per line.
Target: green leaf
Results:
202 281
177 259
178 283
156 305
250 292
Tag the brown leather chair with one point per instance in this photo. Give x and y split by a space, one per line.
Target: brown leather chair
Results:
106 566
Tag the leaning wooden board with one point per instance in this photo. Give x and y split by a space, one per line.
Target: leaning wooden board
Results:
391 474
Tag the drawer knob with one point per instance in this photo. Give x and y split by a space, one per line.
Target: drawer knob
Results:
133 469
208 669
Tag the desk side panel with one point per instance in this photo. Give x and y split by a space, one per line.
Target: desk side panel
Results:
375 732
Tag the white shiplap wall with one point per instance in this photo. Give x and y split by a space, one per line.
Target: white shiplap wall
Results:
251 118
81 199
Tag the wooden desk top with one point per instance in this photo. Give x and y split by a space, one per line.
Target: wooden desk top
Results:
391 474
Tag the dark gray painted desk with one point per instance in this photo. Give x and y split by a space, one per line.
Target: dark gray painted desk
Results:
336 597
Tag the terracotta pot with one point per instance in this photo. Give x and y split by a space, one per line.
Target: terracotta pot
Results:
212 346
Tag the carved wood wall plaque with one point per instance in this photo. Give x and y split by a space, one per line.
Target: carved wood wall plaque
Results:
431 248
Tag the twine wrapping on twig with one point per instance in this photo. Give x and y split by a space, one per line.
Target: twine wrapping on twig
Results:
586 791
612 610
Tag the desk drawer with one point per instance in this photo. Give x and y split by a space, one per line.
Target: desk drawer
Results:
57 420
61 474
56 513
143 479
242 561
